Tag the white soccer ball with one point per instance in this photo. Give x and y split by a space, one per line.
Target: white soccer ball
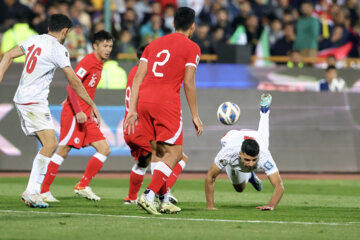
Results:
228 113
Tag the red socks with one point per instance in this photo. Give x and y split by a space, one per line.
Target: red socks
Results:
52 170
136 178
175 174
92 168
161 174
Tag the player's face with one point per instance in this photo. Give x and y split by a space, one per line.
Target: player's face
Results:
248 161
103 49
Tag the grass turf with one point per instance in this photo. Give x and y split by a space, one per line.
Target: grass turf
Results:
310 209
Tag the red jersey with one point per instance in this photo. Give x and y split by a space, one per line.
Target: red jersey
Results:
166 60
88 70
129 83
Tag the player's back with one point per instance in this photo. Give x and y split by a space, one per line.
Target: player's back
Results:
43 54
166 60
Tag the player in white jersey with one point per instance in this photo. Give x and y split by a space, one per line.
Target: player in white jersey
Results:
44 54
243 152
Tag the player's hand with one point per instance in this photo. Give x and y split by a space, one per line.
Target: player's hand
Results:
130 122
265 208
81 117
198 125
95 114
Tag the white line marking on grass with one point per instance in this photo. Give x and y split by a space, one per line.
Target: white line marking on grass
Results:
184 219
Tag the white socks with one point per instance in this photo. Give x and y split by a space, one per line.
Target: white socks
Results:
38 172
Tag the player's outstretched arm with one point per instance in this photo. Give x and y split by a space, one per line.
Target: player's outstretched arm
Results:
213 172
78 87
8 59
279 189
132 116
190 92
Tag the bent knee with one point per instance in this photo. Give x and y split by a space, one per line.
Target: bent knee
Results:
50 146
185 158
105 150
238 188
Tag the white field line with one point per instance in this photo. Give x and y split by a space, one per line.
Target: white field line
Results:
181 219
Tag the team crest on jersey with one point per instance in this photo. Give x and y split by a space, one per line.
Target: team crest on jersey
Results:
81 72
197 59
93 80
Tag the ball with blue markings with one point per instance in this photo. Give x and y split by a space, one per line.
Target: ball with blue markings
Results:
228 113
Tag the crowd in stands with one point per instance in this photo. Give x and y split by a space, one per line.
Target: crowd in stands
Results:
304 26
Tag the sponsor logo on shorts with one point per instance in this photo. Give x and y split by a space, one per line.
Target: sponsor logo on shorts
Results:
77 140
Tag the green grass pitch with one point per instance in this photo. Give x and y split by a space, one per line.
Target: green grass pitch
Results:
310 209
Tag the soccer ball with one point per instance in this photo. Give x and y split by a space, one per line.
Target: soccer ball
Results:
228 113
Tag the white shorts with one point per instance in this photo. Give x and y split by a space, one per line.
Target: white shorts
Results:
34 117
237 177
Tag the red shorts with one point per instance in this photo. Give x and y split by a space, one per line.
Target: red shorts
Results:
161 122
75 134
138 143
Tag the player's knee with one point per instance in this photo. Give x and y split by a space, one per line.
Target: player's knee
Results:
105 150
144 161
50 146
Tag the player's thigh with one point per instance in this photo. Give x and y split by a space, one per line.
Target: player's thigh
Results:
101 146
34 117
93 134
169 153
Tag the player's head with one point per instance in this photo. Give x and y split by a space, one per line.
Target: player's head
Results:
184 20
102 43
140 51
249 153
60 24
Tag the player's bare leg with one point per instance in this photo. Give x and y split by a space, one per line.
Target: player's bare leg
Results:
31 196
93 167
56 160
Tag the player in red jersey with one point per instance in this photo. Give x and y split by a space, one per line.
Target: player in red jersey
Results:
165 64
77 126
141 151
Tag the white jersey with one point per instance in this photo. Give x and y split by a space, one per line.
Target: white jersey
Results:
231 147
44 53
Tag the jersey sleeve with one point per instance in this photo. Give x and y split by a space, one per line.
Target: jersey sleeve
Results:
267 163
82 71
225 156
61 57
193 56
24 45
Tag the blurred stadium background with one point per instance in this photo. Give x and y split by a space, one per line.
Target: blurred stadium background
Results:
247 47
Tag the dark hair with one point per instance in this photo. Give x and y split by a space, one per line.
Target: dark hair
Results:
250 147
140 51
184 18
101 36
331 67
58 22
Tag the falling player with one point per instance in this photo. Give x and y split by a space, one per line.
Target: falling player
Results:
243 152
44 54
77 126
165 64
141 151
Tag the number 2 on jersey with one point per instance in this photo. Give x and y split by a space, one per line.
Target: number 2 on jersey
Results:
165 51
31 62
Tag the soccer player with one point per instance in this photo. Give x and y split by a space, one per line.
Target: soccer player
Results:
44 53
165 64
141 151
77 127
243 152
